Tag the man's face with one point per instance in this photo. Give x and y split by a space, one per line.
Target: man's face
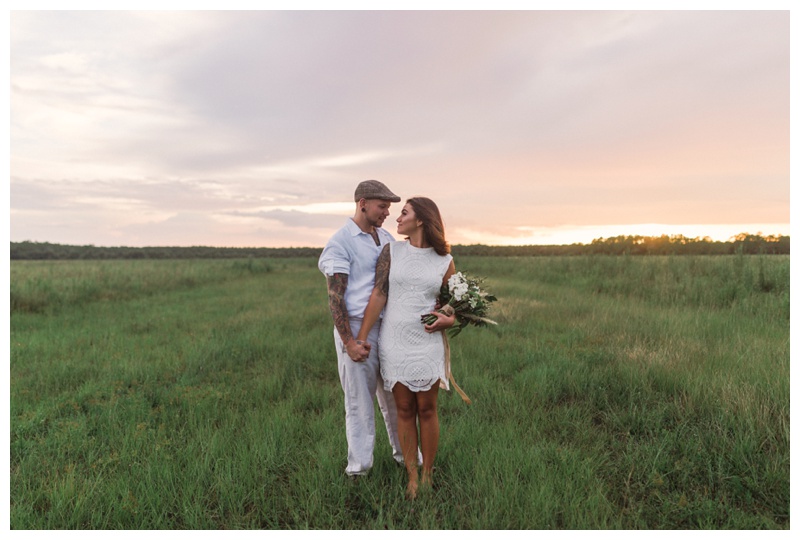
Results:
377 211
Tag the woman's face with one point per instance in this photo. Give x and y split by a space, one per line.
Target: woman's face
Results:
407 223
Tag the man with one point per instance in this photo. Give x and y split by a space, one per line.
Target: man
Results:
348 262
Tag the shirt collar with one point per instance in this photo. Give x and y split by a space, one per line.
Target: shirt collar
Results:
354 229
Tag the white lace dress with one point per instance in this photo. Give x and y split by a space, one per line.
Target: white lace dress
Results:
408 354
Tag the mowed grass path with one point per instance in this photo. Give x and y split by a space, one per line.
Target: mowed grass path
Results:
633 393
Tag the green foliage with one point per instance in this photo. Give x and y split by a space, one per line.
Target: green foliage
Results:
617 393
48 251
744 243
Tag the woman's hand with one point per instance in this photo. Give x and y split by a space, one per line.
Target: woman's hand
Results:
442 322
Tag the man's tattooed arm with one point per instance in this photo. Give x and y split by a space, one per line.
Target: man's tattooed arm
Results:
337 285
382 271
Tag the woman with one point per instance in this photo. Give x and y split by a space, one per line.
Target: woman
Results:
408 278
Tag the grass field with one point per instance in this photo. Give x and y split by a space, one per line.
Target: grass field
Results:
618 392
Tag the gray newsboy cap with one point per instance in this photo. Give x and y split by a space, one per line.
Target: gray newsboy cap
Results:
372 189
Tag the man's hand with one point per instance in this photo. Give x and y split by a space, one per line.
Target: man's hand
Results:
358 350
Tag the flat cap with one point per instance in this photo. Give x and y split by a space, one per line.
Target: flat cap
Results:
372 189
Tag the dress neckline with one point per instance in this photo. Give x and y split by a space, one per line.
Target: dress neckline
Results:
408 243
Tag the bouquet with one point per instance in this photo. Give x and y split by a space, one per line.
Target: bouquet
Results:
463 296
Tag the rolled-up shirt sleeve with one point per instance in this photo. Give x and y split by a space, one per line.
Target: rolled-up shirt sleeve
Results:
334 260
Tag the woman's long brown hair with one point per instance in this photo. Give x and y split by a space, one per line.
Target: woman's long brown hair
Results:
427 212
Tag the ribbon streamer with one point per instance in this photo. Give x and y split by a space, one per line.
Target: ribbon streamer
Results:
448 310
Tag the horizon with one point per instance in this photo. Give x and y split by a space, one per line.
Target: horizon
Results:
234 128
601 238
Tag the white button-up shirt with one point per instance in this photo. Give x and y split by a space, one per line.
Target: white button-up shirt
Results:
353 252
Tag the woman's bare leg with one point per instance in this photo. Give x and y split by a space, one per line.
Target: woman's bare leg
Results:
406 402
428 431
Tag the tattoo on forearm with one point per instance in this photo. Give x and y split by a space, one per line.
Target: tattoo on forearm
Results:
382 271
337 285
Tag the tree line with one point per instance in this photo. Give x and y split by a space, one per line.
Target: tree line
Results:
744 243
45 250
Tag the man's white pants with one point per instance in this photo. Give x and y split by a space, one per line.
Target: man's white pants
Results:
360 382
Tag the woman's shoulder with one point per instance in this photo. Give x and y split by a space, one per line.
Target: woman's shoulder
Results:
390 247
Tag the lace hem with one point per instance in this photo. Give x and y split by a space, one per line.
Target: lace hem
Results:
417 386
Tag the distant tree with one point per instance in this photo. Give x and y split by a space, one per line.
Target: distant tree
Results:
743 243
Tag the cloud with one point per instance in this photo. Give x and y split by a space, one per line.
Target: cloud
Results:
295 218
200 229
506 119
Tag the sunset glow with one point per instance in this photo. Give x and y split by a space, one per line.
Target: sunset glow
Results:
584 235
252 128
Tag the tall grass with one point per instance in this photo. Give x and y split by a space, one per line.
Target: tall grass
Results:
617 393
46 286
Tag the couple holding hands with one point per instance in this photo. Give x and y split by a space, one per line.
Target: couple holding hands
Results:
378 289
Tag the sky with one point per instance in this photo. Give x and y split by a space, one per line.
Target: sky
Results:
253 128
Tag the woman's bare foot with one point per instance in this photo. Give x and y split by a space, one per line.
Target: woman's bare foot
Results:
411 489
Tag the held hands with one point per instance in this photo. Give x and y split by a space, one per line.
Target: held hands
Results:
358 350
443 322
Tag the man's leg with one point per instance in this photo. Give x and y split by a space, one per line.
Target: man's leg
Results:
358 383
386 403
389 411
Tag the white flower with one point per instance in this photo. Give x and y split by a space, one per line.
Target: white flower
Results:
456 279
458 285
459 291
